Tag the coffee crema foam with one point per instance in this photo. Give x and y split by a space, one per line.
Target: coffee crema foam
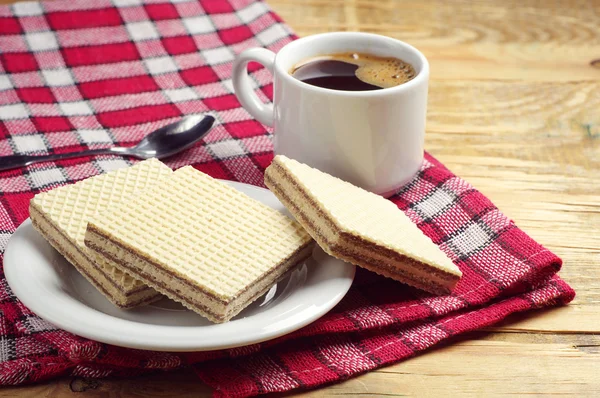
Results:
384 72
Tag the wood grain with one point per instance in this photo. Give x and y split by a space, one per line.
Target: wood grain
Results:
498 364
510 367
533 40
514 109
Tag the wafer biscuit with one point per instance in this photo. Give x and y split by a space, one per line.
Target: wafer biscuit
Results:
61 216
360 227
200 242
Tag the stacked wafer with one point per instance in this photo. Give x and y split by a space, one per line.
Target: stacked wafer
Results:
139 231
360 227
200 242
61 216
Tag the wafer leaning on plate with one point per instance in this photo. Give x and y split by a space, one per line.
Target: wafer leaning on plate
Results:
200 242
360 227
61 215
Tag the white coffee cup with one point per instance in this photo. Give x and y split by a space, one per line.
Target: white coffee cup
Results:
373 139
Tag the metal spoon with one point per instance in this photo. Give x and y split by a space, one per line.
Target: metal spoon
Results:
161 143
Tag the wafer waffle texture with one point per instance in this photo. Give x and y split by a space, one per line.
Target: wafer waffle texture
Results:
360 227
200 242
61 216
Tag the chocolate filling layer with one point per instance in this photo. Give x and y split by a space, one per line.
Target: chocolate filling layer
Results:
341 251
196 306
356 258
97 285
39 214
94 230
357 241
190 303
394 273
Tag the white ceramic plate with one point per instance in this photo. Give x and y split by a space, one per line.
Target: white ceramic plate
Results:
46 283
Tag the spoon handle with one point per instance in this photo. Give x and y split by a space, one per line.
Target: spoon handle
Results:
14 161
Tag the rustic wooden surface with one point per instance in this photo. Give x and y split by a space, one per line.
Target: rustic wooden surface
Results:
515 109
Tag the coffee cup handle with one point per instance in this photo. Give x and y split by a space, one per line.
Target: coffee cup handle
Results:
243 89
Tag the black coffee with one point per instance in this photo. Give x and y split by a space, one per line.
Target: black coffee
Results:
345 83
353 72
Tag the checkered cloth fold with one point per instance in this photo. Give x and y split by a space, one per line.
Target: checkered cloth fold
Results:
88 74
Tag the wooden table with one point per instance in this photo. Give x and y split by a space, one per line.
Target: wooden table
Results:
514 108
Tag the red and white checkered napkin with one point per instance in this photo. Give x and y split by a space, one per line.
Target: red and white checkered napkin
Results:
80 74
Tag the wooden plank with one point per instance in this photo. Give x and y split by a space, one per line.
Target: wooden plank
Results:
497 364
548 110
580 316
532 40
480 367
